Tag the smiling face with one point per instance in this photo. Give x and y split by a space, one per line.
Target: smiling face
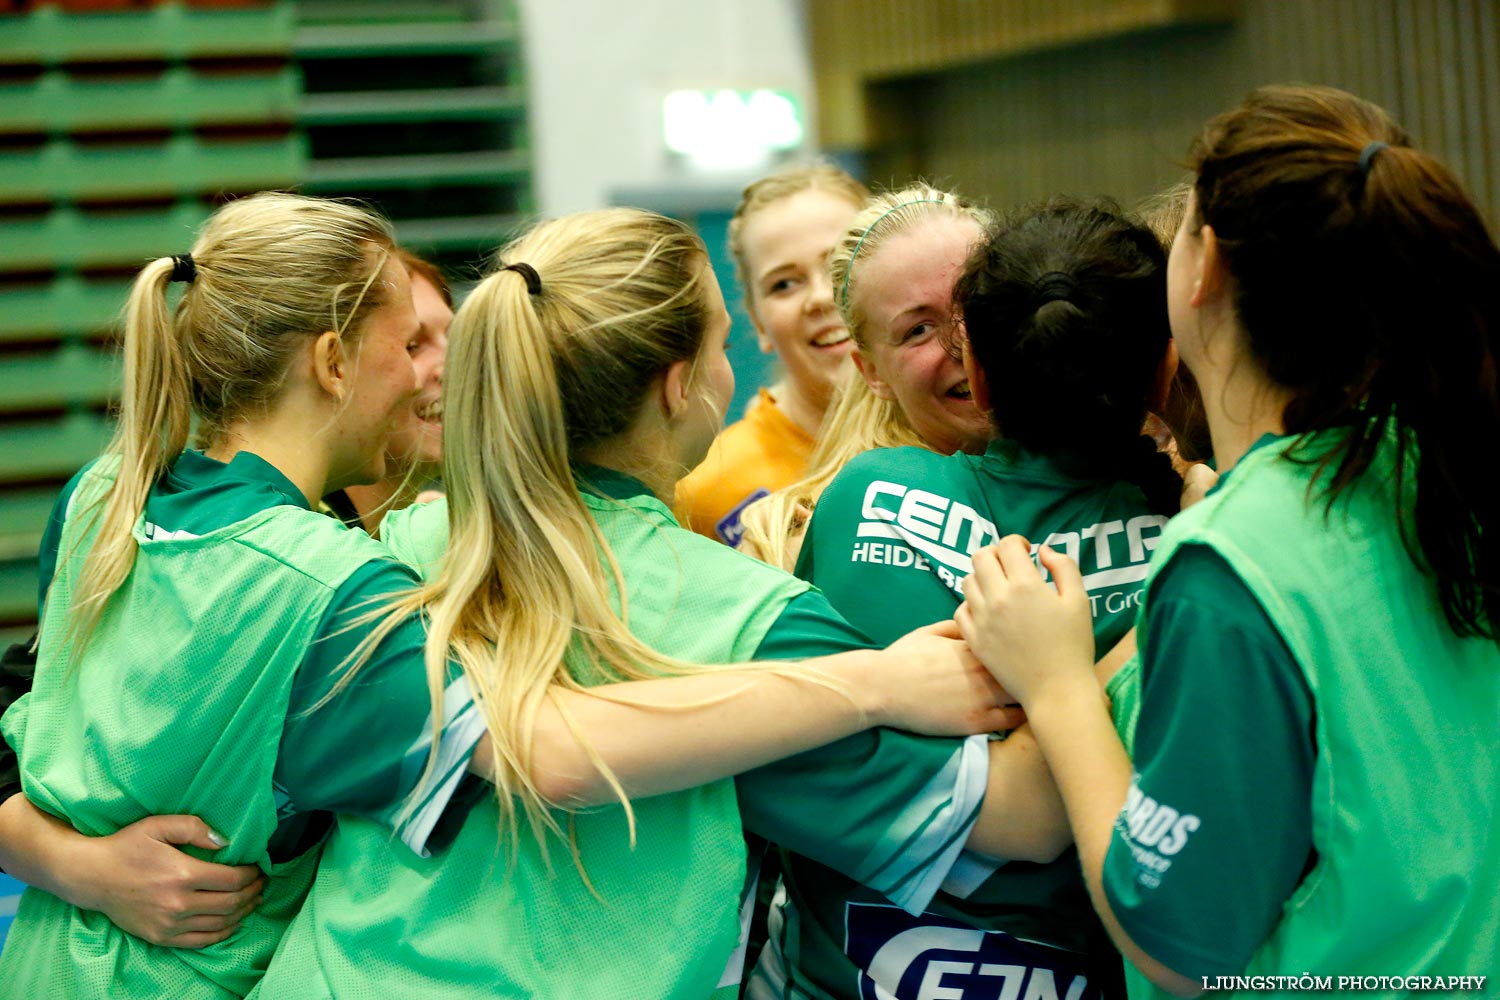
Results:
786 248
904 292
419 440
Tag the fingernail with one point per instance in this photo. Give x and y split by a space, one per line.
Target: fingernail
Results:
217 837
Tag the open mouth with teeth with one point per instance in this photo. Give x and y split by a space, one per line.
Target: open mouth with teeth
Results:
831 338
431 411
960 391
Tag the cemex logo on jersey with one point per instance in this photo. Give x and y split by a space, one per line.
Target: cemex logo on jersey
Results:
935 958
1155 832
935 534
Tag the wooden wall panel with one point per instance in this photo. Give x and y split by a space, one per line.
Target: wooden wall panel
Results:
1115 115
860 41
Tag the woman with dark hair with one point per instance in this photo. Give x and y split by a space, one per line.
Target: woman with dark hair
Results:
1337 296
1066 346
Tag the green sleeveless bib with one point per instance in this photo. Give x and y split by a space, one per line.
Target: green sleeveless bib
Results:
381 922
176 706
1406 802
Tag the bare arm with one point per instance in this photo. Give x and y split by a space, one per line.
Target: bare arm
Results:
136 877
666 735
1023 817
1040 642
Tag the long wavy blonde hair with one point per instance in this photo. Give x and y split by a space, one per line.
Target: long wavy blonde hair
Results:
522 601
271 270
858 420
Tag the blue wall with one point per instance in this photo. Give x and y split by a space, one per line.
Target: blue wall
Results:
10 895
752 369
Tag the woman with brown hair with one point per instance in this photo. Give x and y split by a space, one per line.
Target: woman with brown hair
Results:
1310 788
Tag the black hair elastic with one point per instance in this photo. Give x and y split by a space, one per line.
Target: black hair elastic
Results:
1054 286
1367 155
533 280
183 268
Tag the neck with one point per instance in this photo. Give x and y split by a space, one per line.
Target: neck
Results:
374 500
800 407
629 454
280 439
1241 405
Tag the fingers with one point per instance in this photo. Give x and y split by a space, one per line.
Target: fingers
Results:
197 940
1007 560
1196 483
943 629
985 576
206 876
964 619
182 830
1014 554
1064 573
221 904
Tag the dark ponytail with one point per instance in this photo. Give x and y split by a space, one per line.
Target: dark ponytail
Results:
1065 311
1369 286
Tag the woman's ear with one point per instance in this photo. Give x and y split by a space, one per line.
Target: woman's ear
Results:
330 364
872 378
1212 274
761 340
1161 386
675 388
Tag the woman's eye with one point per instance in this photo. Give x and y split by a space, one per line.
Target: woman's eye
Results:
919 330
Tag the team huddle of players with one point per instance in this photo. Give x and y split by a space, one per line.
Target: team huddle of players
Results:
1182 503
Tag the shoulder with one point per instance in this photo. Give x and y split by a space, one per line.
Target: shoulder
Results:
418 535
891 468
315 544
649 543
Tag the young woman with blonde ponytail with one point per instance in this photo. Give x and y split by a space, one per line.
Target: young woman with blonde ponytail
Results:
908 391
586 371
192 599
200 622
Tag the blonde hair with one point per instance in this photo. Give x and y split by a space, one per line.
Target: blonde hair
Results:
776 187
1164 211
858 420
270 270
534 379
884 216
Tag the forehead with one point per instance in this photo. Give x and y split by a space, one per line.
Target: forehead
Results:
812 214
429 302
918 266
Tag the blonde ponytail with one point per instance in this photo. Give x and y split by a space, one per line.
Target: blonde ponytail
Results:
152 429
270 270
532 378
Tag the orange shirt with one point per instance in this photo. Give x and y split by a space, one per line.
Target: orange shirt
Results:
760 454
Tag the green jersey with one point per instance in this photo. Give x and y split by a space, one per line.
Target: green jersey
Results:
890 543
1397 863
666 920
891 539
110 738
